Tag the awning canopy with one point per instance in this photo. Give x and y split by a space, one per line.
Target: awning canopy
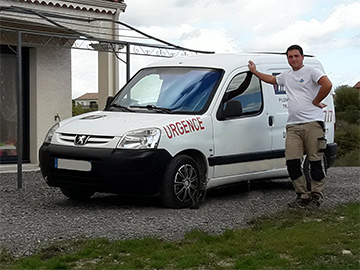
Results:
43 28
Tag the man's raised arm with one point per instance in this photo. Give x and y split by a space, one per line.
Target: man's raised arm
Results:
264 77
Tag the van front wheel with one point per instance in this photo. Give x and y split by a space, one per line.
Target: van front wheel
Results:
181 183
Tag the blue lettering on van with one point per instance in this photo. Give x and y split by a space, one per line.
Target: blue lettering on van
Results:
279 89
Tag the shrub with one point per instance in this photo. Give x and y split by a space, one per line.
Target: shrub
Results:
76 110
347 103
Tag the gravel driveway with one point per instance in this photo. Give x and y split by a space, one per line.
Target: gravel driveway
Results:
36 215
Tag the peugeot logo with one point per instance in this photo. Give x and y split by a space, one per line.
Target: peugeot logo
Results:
81 139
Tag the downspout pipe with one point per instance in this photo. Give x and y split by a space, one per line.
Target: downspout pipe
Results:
19 143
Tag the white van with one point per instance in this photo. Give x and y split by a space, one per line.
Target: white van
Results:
179 127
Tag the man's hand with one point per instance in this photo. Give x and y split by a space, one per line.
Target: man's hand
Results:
264 77
252 66
320 105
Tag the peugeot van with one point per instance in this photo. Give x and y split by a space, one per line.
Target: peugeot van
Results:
179 127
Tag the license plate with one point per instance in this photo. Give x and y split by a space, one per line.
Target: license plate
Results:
70 164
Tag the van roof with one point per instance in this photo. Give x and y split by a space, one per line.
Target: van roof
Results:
228 61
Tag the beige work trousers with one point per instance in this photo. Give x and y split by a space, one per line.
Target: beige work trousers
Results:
306 138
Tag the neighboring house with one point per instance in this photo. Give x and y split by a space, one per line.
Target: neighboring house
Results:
46 42
357 86
87 101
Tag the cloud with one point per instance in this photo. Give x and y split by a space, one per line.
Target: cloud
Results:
315 35
211 40
253 24
84 72
326 28
235 14
197 38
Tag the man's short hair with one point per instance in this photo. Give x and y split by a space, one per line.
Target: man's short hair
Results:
295 47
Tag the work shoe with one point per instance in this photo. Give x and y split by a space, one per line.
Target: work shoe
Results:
314 203
299 203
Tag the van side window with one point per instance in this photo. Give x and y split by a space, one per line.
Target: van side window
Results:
246 88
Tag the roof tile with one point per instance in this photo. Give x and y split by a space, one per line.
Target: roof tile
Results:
74 5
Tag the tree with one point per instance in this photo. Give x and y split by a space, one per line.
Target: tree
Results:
347 104
347 134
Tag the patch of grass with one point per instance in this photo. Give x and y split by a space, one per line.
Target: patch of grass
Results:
5 256
350 159
347 136
298 240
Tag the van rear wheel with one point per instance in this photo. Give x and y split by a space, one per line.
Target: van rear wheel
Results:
181 183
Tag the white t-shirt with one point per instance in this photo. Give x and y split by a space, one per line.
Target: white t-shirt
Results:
301 88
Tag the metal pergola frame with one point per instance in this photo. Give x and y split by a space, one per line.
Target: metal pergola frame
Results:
58 35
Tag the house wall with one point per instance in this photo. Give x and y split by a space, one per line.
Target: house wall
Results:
50 66
50 92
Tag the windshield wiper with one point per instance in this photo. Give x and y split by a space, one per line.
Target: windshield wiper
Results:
151 107
123 108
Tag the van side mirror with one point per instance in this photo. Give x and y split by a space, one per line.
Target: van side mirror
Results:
233 108
109 100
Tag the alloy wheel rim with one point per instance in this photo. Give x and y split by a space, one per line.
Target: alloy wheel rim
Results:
185 183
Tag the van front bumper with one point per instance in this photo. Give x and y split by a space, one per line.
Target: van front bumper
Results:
120 171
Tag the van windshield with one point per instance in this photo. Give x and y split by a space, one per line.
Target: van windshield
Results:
169 90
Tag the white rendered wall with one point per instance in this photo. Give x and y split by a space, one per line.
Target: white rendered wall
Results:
50 92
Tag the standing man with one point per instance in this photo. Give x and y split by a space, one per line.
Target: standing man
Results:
305 87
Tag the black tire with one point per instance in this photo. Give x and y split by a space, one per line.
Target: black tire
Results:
306 169
76 194
181 183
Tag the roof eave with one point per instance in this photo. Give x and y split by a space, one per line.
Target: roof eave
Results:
87 5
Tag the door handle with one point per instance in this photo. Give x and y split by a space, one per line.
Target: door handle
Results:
271 121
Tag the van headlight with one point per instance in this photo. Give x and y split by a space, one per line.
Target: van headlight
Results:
140 139
51 132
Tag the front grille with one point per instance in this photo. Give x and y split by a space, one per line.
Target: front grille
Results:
92 139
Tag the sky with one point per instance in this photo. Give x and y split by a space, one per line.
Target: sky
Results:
328 29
